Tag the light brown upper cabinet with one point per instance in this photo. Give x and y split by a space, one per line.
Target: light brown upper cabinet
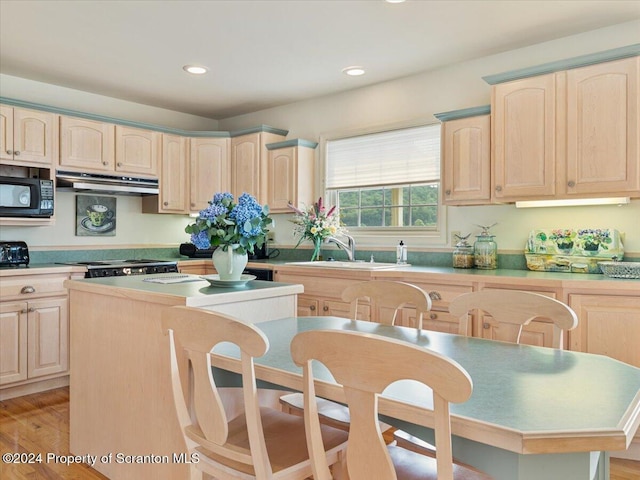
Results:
603 129
249 158
87 145
97 147
28 137
173 175
209 170
137 151
572 133
466 157
290 173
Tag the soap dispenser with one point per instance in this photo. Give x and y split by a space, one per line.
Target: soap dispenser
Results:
485 249
401 253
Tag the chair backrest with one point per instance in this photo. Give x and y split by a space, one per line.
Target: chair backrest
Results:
192 334
355 361
386 298
512 309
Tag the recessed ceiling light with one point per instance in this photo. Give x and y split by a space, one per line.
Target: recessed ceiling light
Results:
354 71
195 69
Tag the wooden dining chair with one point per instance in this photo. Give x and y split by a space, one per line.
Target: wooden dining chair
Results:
365 364
510 310
254 442
386 298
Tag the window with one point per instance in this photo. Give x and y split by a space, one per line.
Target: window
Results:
386 179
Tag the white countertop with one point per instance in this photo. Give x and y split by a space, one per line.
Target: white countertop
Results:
193 294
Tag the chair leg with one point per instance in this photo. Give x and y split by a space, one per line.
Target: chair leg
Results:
339 469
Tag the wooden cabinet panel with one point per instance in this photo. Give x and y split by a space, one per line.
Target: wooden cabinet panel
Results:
25 287
13 342
48 337
523 138
87 145
466 160
308 306
28 137
608 325
290 172
209 170
249 170
173 175
602 128
137 151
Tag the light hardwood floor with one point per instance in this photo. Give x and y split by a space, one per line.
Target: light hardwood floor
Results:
39 423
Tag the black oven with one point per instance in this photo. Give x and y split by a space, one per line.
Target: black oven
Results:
26 197
260 273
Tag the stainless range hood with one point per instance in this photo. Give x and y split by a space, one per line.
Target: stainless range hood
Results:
107 184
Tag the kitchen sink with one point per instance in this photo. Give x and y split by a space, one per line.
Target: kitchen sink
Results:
346 265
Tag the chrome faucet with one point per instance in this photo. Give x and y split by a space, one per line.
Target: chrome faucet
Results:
349 247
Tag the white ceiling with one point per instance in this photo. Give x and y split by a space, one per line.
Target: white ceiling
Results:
267 53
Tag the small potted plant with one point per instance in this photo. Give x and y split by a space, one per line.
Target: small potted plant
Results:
594 240
234 228
563 238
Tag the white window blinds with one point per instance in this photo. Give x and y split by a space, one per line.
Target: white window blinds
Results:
410 155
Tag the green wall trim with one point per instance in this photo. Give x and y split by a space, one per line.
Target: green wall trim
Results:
258 129
294 142
463 113
116 121
567 64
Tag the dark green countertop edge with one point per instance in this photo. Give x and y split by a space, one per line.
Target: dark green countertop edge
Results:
508 264
463 113
146 126
294 142
567 64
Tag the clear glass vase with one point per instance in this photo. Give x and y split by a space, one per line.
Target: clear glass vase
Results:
317 243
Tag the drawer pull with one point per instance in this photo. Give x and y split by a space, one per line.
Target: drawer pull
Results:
31 309
16 152
24 311
105 163
312 308
9 152
485 325
571 184
119 164
28 289
433 316
434 295
325 308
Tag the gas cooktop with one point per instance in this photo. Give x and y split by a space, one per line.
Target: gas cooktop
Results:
116 268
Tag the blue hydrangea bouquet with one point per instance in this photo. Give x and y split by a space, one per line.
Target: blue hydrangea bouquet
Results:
225 223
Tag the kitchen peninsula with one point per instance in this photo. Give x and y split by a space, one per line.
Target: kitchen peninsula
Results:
121 404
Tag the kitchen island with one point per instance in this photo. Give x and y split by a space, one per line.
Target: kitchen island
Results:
121 404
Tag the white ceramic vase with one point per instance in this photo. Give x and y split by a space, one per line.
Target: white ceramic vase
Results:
229 264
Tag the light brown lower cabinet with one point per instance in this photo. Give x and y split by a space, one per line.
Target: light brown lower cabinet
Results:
34 339
609 325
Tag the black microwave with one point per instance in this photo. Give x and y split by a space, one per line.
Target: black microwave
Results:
26 197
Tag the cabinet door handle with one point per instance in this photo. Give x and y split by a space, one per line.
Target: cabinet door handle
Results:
23 311
119 164
165 203
325 308
312 308
433 316
9 152
485 325
571 183
28 289
16 152
498 188
434 295
31 309
447 192
105 163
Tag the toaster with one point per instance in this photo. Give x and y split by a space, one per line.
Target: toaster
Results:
13 253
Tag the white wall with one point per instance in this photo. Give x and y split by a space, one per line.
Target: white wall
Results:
418 97
412 99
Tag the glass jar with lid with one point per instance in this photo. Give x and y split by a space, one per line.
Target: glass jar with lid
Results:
485 250
463 256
